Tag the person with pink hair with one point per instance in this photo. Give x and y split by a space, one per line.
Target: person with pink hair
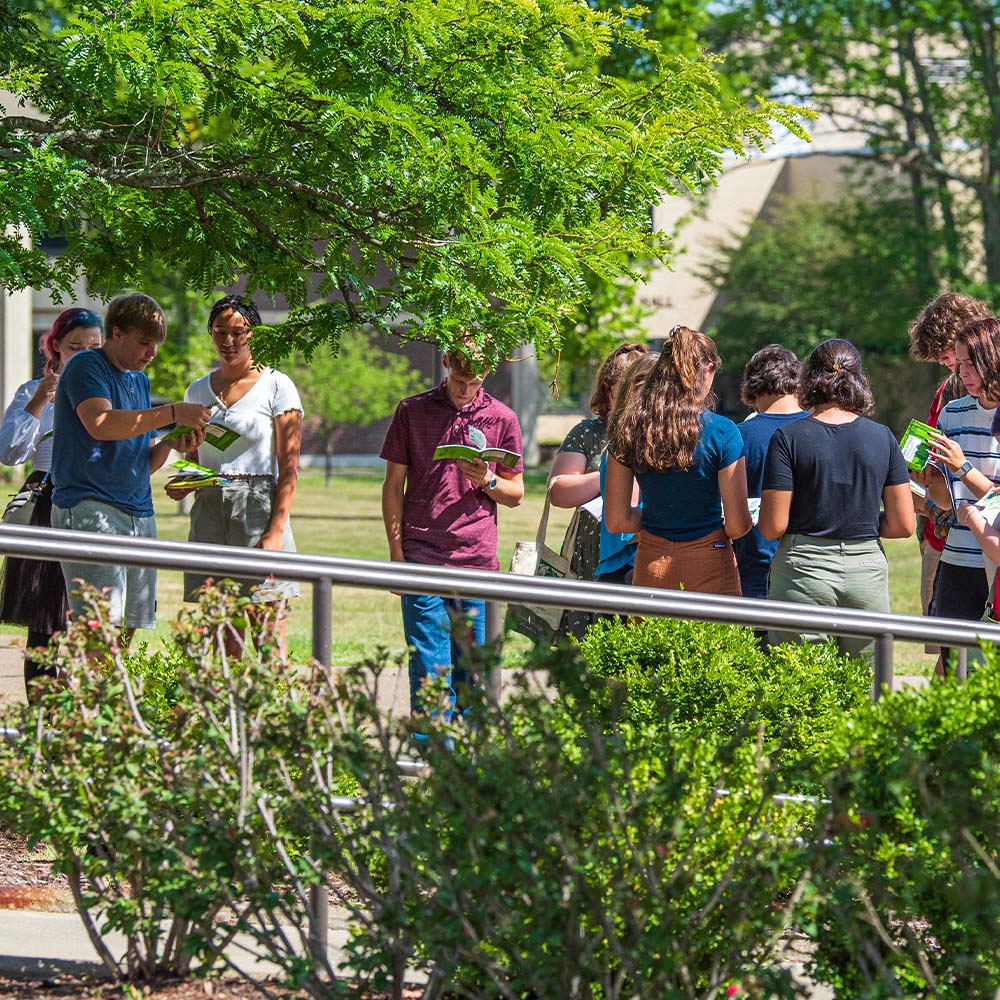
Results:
33 592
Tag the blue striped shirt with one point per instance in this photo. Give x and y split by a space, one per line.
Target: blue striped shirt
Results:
968 423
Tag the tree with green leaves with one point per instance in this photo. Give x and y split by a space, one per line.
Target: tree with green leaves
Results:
357 386
429 168
920 81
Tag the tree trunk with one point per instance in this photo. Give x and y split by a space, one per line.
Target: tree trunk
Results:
328 462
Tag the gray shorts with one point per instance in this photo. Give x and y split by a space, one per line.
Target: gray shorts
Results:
238 513
130 589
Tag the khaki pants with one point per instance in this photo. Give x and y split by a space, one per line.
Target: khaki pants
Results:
832 573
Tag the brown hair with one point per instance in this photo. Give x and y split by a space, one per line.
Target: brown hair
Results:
981 338
660 428
772 371
136 311
629 389
610 373
833 374
934 329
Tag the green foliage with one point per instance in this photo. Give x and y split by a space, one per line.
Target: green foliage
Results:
713 682
906 879
918 81
358 385
817 269
443 167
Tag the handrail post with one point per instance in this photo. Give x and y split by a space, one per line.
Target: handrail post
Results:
494 638
319 902
962 665
883 665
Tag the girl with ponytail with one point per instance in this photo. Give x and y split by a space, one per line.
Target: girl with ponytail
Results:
825 478
690 468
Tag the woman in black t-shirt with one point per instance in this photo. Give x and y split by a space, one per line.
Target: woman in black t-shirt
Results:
825 478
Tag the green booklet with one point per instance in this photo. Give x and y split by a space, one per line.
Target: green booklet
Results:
990 506
466 451
217 434
193 476
915 444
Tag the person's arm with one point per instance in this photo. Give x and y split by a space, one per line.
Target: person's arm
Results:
897 519
570 485
984 533
733 489
621 516
287 443
20 429
509 490
43 394
393 490
950 454
103 423
775 506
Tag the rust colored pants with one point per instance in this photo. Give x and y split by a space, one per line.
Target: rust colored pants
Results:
706 565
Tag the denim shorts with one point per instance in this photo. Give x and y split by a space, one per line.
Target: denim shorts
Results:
238 513
130 589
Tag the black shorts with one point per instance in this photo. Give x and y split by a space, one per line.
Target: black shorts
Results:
959 592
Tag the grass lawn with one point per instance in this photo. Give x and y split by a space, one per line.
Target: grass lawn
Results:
346 520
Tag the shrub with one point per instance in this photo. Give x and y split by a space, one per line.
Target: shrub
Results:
716 681
907 867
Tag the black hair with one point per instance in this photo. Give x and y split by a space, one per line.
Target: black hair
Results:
772 371
833 374
233 303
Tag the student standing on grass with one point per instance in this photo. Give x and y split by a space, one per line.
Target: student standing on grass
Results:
825 478
932 339
770 383
104 453
444 513
970 453
33 593
689 464
260 469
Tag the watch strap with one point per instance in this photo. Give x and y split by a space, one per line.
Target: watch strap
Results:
964 469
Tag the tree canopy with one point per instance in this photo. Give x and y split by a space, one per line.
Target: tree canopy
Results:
920 81
425 167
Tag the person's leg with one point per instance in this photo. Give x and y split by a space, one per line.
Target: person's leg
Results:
102 519
33 669
804 571
140 585
866 588
428 636
468 629
959 592
929 559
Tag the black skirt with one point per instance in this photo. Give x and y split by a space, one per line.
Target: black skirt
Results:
33 591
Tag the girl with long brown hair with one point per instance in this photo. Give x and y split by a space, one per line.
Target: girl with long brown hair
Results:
690 468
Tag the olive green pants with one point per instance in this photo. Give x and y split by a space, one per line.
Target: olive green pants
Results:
830 573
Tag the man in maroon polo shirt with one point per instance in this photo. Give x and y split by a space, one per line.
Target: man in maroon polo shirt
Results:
444 513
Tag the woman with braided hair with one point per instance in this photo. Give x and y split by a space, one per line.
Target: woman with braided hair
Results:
691 473
825 478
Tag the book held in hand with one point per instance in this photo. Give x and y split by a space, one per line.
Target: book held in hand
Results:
990 506
468 452
217 434
915 444
192 476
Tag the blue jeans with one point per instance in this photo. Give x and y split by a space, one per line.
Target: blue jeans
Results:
435 649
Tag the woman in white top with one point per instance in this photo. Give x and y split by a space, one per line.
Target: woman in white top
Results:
259 470
32 592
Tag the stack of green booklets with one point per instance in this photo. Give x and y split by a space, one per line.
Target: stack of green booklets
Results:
192 476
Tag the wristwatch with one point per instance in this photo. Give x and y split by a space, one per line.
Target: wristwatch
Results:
964 469
492 484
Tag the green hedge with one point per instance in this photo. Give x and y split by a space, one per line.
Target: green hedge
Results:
716 681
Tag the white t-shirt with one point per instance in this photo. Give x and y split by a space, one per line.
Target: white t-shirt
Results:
24 438
966 422
253 454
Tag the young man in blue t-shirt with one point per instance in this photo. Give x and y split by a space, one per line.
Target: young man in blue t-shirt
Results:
103 453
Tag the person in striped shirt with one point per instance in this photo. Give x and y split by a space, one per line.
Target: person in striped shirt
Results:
970 455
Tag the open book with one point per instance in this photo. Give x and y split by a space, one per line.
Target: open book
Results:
467 451
990 506
217 434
